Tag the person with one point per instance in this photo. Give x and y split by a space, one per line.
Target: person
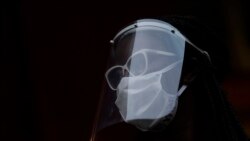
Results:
160 86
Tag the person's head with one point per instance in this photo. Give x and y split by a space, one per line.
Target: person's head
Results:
152 65
148 73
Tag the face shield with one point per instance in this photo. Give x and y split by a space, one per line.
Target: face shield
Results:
145 76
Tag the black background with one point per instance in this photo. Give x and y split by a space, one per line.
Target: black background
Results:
53 57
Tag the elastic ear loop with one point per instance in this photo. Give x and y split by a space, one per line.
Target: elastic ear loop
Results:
182 89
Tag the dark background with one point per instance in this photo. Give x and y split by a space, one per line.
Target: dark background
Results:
53 57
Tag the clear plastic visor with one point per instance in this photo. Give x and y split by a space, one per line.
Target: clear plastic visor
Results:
144 51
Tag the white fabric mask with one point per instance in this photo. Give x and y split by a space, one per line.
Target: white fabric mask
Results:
142 101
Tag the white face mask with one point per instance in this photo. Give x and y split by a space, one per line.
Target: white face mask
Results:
143 102
142 98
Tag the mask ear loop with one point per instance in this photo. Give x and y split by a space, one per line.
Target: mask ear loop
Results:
182 89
